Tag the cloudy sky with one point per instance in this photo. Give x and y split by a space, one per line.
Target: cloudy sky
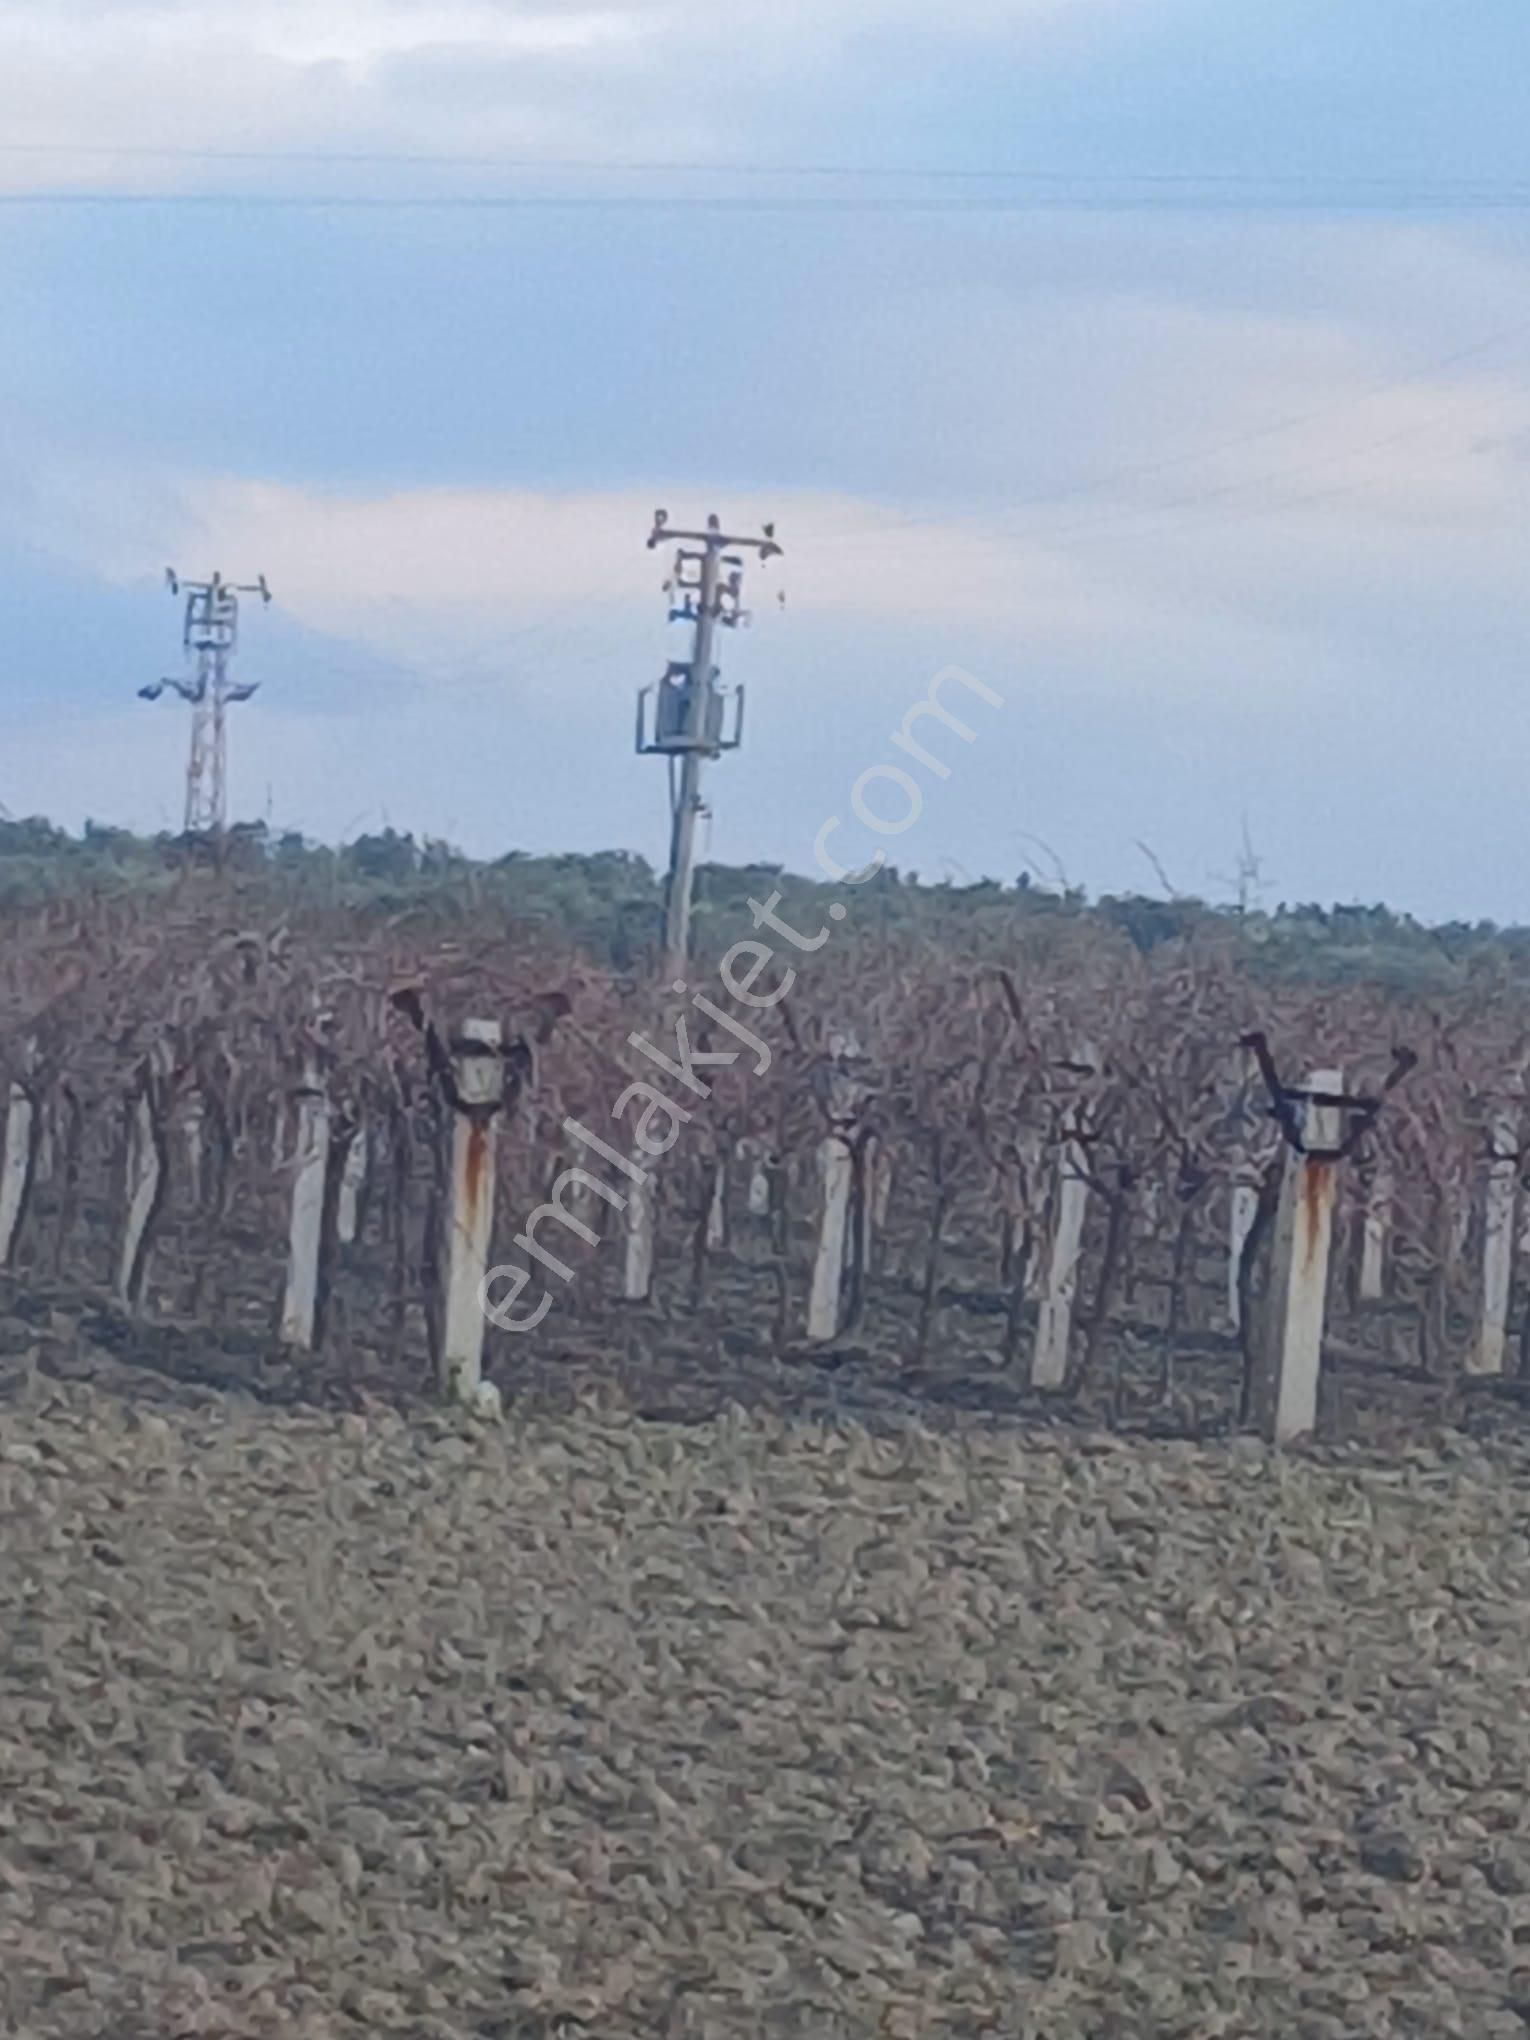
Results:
1164 363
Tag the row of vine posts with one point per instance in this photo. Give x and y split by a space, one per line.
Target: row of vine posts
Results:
1081 1159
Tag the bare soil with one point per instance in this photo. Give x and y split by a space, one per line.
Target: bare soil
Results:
317 1723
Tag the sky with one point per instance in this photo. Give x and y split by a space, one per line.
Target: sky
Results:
1164 364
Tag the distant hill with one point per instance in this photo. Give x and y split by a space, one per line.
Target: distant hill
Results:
609 903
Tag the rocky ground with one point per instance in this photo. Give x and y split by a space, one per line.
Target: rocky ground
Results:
343 1724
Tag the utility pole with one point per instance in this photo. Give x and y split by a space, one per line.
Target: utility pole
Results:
706 591
210 634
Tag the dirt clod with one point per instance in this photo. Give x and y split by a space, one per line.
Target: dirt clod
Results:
582 1724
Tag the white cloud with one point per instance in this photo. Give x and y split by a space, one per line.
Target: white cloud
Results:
599 80
357 565
467 586
1243 488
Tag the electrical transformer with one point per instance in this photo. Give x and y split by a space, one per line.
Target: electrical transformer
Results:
671 719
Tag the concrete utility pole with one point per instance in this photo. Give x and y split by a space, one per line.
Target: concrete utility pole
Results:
689 703
211 633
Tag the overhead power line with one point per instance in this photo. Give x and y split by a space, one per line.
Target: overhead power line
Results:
1131 522
722 166
1244 201
1454 182
1100 483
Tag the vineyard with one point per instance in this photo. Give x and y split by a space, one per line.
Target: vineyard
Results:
1046 1177
600 1443
876 1613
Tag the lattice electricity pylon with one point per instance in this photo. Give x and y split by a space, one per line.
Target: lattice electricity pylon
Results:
209 638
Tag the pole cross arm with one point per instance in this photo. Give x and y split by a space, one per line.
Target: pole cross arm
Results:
516 1056
188 690
1362 1109
715 537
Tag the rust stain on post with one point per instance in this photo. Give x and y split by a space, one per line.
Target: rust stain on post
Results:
1316 1179
476 1167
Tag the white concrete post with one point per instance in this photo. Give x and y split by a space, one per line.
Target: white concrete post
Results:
881 1188
1377 1227
1059 1281
637 1258
43 1172
352 1177
192 1124
1245 1207
143 1174
1497 1245
841 1087
717 1210
14 1169
479 1074
306 1225
1299 1269
836 1168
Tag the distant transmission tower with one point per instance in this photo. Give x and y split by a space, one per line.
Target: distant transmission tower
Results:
211 637
689 704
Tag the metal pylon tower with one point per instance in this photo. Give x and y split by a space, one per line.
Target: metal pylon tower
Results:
210 637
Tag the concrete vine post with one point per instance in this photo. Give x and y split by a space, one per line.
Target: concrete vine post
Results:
353 1177
1299 1272
1487 1356
842 1092
880 1200
1245 1206
17 1166
717 1206
756 1153
147 1174
837 1167
305 1233
1060 1269
478 1080
193 1125
1376 1227
637 1259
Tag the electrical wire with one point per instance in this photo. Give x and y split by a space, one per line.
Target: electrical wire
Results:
1108 531
1452 184
1332 204
1298 421
1047 537
1156 191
